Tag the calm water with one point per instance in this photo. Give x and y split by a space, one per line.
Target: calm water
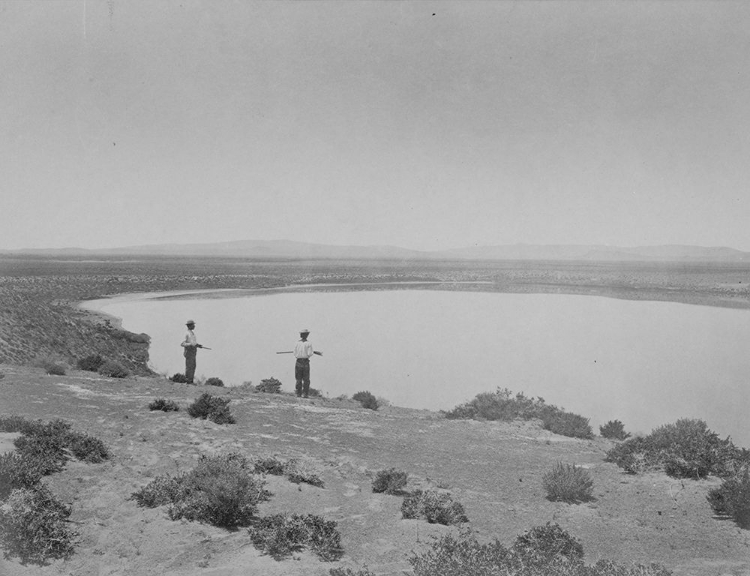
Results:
644 363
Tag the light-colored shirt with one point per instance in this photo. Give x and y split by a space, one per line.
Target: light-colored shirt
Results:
303 349
190 340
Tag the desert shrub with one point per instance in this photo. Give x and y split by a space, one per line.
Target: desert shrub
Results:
45 448
542 551
164 405
113 369
87 448
45 445
280 535
732 498
567 424
269 465
13 423
614 430
212 408
33 526
498 405
503 405
389 481
17 472
568 483
367 399
684 449
350 572
302 470
178 378
545 546
435 507
314 393
90 363
269 385
220 490
461 555
214 382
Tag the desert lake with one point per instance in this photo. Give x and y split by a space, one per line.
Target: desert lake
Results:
644 363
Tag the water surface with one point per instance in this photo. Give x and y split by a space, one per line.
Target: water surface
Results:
644 363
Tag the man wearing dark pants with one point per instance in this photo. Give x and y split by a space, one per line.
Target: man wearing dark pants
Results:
190 344
303 350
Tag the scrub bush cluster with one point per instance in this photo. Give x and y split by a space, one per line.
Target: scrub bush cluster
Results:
33 522
33 526
280 535
732 498
541 551
568 483
164 405
614 430
435 507
113 369
178 378
367 400
221 490
503 405
90 363
211 408
296 470
390 481
215 382
269 385
685 449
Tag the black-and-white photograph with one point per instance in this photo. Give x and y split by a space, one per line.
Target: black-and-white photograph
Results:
374 288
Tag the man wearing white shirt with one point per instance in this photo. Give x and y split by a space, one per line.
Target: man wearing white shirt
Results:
190 344
303 350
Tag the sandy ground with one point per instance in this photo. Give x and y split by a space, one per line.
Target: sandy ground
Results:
493 469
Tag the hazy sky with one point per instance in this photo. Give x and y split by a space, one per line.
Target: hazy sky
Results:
425 125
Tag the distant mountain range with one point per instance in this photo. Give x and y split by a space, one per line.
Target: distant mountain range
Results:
287 249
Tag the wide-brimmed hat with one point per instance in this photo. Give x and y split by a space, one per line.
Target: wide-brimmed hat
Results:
305 331
189 322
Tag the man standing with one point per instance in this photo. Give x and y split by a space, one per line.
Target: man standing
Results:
190 344
303 351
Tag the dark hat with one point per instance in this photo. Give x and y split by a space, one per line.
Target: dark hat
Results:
189 323
305 331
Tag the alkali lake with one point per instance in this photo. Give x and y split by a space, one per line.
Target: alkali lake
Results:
644 363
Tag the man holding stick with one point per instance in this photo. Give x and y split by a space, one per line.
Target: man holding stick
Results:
190 345
303 351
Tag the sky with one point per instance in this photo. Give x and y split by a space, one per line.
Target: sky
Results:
425 125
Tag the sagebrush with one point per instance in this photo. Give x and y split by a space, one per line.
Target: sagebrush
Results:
269 385
212 408
614 430
732 498
568 483
435 507
90 363
280 535
390 481
113 369
542 551
504 405
685 449
366 399
164 405
34 527
221 490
